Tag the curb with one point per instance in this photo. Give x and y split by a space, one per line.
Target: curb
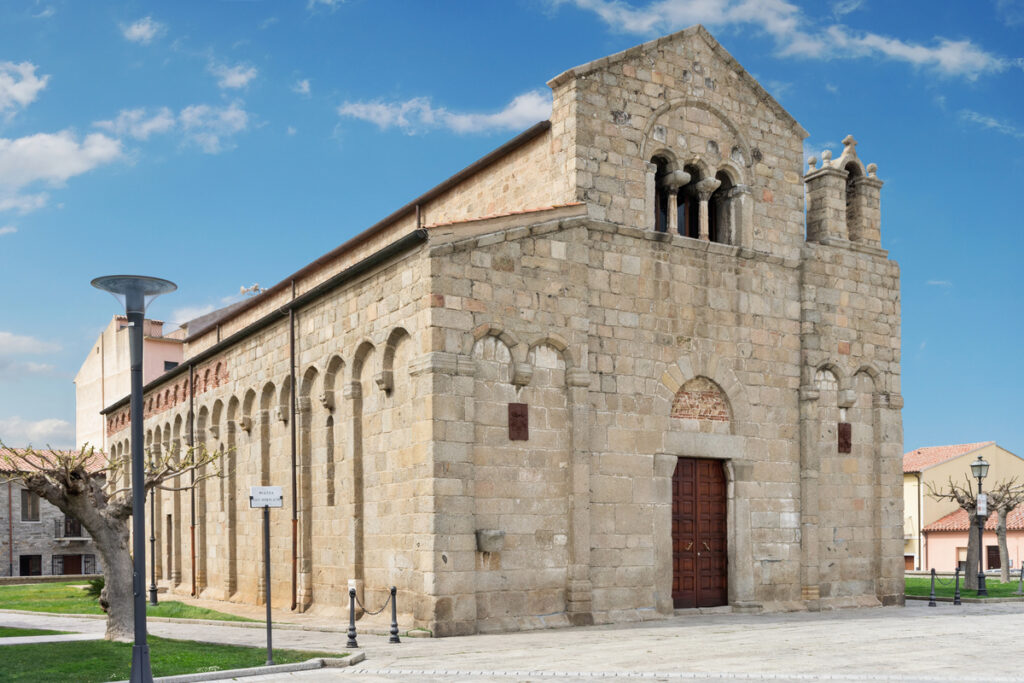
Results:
972 601
230 674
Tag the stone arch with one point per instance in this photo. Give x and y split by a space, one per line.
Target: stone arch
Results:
683 102
357 391
701 400
231 473
266 405
334 369
705 364
558 343
828 375
386 379
175 528
518 353
306 443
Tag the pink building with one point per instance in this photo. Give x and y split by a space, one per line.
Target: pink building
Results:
946 541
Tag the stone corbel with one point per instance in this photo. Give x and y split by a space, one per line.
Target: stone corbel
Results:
846 398
245 424
353 390
279 414
327 400
214 431
577 377
385 381
809 393
522 373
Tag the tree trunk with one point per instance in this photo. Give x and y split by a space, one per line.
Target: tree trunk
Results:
971 570
1004 556
118 591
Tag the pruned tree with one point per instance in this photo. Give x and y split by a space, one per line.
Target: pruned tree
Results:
1003 497
83 484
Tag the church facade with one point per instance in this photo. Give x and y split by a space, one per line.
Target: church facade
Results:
607 371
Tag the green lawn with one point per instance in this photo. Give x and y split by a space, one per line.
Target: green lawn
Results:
70 598
921 585
101 660
11 632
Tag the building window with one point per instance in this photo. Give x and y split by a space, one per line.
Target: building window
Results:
660 194
30 565
720 211
170 365
29 506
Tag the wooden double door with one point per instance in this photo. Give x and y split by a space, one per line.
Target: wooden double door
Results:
699 534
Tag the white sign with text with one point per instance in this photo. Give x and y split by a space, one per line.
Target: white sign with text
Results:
265 497
982 504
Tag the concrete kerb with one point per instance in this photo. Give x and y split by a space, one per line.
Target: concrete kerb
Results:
231 674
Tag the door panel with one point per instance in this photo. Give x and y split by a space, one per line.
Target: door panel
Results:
72 564
699 534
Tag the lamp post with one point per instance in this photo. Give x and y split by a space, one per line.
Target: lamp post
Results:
135 292
979 468
152 548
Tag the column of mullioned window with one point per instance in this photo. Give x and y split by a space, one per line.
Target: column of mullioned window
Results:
705 188
741 213
672 182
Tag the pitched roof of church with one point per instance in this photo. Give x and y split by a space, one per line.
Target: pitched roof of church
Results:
923 458
959 521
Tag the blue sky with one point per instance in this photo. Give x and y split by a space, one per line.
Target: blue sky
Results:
221 144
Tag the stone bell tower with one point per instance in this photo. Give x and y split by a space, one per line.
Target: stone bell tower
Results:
843 198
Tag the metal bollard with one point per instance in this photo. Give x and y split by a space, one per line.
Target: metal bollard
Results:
1020 588
351 619
394 618
931 598
956 592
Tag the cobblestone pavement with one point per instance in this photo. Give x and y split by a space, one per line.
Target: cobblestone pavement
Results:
978 643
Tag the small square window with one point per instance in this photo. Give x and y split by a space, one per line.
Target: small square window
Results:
170 365
29 506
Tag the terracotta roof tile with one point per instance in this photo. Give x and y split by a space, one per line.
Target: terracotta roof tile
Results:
923 458
96 463
959 521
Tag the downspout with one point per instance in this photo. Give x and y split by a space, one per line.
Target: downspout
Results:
10 530
192 477
295 507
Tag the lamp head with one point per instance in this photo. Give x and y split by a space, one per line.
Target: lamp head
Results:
979 468
134 292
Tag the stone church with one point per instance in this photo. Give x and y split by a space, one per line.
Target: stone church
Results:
608 370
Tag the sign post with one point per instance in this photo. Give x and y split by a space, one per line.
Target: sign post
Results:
266 497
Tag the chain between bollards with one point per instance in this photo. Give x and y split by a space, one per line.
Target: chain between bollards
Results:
931 598
956 592
352 600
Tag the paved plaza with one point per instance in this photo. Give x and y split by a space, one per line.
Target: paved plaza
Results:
913 643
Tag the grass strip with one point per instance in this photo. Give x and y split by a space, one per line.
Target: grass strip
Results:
12 632
921 586
71 598
101 660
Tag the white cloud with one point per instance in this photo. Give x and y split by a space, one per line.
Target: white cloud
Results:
1010 12
8 230
939 283
16 344
17 432
19 85
52 157
142 31
330 4
139 124
991 123
233 77
794 33
302 87
22 203
14 370
832 88
207 126
841 8
419 114
291 130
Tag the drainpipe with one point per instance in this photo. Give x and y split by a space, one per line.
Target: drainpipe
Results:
10 530
295 507
192 487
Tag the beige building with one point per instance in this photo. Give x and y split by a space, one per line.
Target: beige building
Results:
603 372
928 469
105 374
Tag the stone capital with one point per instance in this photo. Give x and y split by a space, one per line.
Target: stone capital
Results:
675 180
707 187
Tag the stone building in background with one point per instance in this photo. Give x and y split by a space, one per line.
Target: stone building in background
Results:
602 372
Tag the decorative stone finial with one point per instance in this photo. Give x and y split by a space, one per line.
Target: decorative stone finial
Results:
811 163
873 170
826 157
849 144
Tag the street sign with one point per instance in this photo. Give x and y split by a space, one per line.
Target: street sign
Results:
265 497
982 504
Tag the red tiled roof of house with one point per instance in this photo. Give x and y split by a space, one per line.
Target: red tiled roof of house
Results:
959 521
25 462
923 458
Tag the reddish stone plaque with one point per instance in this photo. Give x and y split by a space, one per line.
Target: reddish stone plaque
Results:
845 437
518 421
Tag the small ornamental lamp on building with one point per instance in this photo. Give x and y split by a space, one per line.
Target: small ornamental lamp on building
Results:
135 292
979 468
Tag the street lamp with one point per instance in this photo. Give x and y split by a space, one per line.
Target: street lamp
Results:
979 468
135 292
